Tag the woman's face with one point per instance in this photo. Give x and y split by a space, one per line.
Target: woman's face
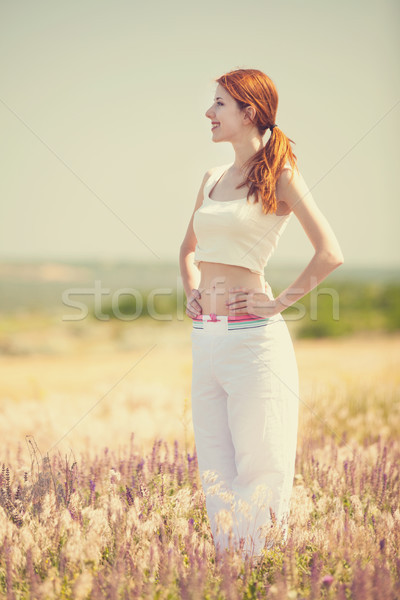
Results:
227 120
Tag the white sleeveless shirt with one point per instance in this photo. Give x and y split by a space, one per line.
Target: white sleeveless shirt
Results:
235 232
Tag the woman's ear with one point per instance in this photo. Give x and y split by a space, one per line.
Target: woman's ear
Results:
249 114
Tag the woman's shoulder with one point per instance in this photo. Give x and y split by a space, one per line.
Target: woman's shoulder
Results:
214 170
288 167
213 173
287 177
287 174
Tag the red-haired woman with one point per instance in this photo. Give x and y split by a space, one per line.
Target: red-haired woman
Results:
245 388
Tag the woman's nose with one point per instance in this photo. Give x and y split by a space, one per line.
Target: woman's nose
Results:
210 113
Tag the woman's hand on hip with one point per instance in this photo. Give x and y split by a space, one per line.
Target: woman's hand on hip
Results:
250 301
193 308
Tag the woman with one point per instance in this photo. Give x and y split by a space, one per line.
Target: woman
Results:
245 388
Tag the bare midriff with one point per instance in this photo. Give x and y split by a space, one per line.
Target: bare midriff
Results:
216 281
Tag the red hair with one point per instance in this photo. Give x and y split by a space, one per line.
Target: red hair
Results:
250 87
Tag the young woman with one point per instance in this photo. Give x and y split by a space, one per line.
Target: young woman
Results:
245 389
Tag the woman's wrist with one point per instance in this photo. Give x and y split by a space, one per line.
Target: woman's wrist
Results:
269 309
281 302
262 305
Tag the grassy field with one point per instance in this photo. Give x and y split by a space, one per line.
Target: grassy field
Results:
99 491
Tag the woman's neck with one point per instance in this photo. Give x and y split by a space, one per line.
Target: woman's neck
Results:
245 150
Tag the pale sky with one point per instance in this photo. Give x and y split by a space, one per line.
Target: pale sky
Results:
104 141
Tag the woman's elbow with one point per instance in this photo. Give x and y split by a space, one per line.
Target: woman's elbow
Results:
185 249
334 257
337 257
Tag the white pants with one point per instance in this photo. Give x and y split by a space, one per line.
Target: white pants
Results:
245 394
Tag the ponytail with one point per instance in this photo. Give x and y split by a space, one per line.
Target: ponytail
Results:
264 168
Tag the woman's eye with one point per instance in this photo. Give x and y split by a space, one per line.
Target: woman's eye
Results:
219 103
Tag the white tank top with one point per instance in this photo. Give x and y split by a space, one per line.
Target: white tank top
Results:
235 232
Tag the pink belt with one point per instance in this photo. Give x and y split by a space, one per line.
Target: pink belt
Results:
214 318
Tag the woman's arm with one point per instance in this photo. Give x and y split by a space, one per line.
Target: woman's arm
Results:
327 257
189 273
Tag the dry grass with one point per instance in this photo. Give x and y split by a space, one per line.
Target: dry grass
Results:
115 516
136 377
